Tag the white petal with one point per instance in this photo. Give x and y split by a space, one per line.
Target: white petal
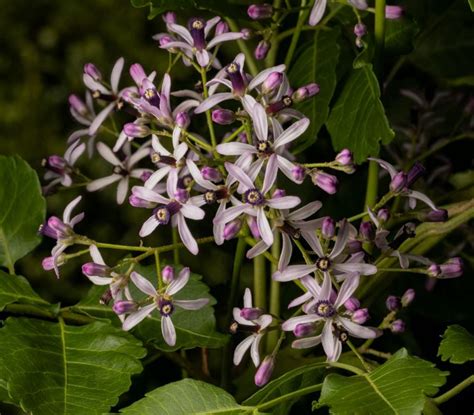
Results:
235 149
317 12
314 243
149 195
224 37
356 330
69 208
347 289
157 176
178 283
149 226
229 214
254 352
100 118
329 340
423 198
294 272
361 268
306 343
168 330
103 182
241 348
341 240
182 31
306 211
122 190
290 324
115 76
270 174
96 256
186 236
134 318
239 174
264 227
192 212
143 284
292 132
284 202
248 298
259 248
105 151
286 252
192 304
263 75
212 101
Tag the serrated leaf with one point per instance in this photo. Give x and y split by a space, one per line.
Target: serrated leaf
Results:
357 120
185 397
17 289
55 369
317 64
22 210
398 386
399 36
457 345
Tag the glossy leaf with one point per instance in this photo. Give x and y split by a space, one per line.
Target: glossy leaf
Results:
22 210
16 289
457 345
53 369
186 397
357 120
397 387
317 63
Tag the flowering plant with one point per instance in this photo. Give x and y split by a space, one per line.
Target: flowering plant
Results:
224 165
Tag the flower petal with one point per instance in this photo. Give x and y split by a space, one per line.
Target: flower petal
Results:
186 236
264 227
270 174
254 352
134 318
356 330
143 284
181 31
306 211
291 323
192 304
177 284
347 289
294 272
212 101
149 226
292 132
95 255
240 175
235 149
263 75
103 182
341 240
192 212
284 202
115 76
317 12
101 118
224 37
241 348
69 208
168 330
122 190
306 343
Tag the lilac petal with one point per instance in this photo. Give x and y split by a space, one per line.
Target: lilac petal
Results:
264 227
328 340
229 214
101 118
93 85
99 280
197 176
134 318
213 101
116 72
306 211
260 121
285 202
294 272
264 321
292 132
180 151
347 289
248 298
192 212
158 147
143 284
402 259
314 243
224 37
286 252
177 284
149 226
176 135
254 352
76 135
263 75
182 31
157 176
239 319
300 300
186 236
105 151
420 196
202 56
122 190
95 255
210 24
165 94
239 174
241 348
356 330
385 165
306 343
121 140
69 208
235 149
103 182
311 285
361 268
192 304
341 240
240 60
326 288
270 174
168 330
290 324
259 248
149 195
317 12
287 167
178 45
137 156
73 153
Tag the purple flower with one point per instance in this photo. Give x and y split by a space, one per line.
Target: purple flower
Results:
122 170
251 342
262 49
163 302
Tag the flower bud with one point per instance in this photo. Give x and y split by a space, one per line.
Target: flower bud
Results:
62 230
453 268
298 173
221 28
272 82
399 182
325 181
305 92
137 73
398 326
246 33
164 40
415 173
182 119
360 316
360 29
251 313
169 18
262 49
92 269
278 193
138 202
393 12
122 307
264 371
328 227
167 274
91 70
78 105
232 228
383 215
393 303
438 215
367 231
252 222
434 271
408 297
48 263
210 173
344 157
304 329
136 130
260 11
223 117
352 304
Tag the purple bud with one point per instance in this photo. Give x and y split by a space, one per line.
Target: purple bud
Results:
223 116
325 181
305 92
272 82
434 270
438 215
354 246
246 33
260 11
169 18
264 371
181 195
182 119
91 70
262 49
164 40
221 28
393 12
92 269
408 297
398 326
138 202
137 73
145 175
232 228
136 130
415 173
278 193
360 29
212 174
167 274
328 227
304 329
453 268
367 231
298 173
383 215
62 230
77 104
252 222
251 313
352 304
393 303
122 307
344 158
48 263
399 182
360 316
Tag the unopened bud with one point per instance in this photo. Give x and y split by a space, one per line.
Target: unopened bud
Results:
344 157
167 274
136 130
278 193
122 307
164 40
398 182
397 326
383 215
408 297
182 119
303 329
264 371
438 215
298 173
138 202
360 316
260 11
272 82
367 231
91 70
262 49
434 270
328 227
305 92
393 303
453 268
415 173
78 105
360 29
325 181
62 230
393 12
210 173
223 116
232 228
169 17
251 313
221 28
352 304
92 269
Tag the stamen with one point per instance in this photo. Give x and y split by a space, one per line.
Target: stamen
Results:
323 263
253 197
324 309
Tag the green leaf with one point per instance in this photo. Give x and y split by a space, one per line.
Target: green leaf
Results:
186 397
55 369
457 345
17 289
291 381
399 36
22 210
471 4
357 120
317 64
398 386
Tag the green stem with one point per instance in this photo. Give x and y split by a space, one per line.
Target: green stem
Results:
303 15
210 124
260 282
234 134
372 184
274 309
174 234
408 270
158 269
454 391
291 395
354 350
249 58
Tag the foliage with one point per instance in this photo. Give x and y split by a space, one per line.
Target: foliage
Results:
457 345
